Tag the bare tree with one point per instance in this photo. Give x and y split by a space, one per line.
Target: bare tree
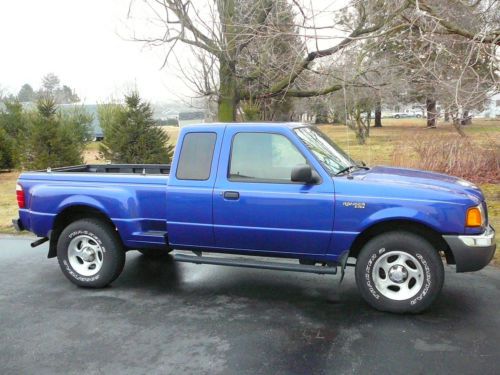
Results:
455 45
220 35
475 20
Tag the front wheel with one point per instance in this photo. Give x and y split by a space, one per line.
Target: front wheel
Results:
90 253
399 272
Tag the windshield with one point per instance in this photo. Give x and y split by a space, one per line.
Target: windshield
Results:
331 156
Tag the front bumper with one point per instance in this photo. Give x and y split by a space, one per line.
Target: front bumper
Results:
472 252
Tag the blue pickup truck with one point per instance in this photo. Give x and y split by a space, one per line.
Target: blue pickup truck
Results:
273 196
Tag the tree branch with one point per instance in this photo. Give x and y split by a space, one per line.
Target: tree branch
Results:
490 38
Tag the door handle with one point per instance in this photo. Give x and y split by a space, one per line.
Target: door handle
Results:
232 195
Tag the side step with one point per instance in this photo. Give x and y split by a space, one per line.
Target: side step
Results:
250 263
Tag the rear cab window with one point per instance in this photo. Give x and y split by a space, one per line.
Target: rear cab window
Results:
195 159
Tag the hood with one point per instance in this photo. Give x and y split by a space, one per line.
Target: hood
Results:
420 179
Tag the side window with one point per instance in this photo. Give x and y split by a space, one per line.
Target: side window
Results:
264 157
195 159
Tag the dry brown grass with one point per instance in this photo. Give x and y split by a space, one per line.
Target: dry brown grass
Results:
457 156
383 141
8 203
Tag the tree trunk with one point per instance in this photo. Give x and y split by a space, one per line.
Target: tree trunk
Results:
447 116
378 115
228 92
466 118
228 96
431 112
457 124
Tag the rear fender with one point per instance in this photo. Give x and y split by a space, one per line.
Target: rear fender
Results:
48 201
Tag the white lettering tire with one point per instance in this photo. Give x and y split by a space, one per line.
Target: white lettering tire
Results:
399 272
90 253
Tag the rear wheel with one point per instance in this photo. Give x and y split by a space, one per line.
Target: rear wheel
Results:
399 272
90 253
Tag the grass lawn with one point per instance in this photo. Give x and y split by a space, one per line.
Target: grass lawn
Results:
378 150
8 203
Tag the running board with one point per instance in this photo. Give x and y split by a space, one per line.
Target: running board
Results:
250 263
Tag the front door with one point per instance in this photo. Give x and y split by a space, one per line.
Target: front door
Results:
257 207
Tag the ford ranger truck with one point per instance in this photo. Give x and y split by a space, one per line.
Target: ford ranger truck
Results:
278 196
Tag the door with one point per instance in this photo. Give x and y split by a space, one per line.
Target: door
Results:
190 188
256 205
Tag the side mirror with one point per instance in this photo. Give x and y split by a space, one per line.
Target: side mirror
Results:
303 173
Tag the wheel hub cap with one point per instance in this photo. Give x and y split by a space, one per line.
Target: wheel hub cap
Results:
398 274
88 255
85 255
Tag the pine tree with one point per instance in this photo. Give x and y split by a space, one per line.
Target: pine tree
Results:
55 140
131 135
6 151
26 93
14 124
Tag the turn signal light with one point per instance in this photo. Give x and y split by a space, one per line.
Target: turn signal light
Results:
20 196
474 217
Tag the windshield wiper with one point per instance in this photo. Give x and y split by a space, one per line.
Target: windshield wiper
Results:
351 167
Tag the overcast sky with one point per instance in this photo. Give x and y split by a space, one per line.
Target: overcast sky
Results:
82 42
85 43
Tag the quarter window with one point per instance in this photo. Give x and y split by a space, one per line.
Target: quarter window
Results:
195 160
263 157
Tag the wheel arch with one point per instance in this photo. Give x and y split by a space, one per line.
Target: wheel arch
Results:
69 215
427 232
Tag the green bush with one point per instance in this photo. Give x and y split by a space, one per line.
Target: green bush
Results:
131 135
172 122
6 150
55 139
14 125
251 111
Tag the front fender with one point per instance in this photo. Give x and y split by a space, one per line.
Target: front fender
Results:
426 216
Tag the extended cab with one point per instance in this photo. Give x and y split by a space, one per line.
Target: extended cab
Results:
263 191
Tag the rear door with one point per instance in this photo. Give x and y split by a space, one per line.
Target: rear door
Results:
257 207
190 188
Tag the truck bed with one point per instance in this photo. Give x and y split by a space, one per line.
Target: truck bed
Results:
163 169
133 196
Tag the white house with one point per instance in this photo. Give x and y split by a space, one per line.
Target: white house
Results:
492 108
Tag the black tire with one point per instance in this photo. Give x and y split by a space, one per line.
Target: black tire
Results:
385 287
99 235
155 253
397 116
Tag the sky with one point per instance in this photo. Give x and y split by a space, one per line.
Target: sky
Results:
84 43
87 44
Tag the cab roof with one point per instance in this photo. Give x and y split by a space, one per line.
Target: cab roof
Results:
289 125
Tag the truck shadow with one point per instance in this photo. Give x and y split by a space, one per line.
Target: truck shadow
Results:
321 296
142 272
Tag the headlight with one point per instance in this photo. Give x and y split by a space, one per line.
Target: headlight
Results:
475 217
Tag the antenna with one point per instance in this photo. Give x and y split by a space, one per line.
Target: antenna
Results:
368 142
345 112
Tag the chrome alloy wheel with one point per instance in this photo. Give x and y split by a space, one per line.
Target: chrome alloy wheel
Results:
85 255
398 275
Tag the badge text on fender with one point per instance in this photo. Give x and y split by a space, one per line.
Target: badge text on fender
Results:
354 204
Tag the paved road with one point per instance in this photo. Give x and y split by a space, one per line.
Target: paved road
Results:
168 318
